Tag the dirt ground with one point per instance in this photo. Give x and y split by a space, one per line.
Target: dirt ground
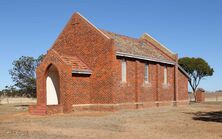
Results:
196 121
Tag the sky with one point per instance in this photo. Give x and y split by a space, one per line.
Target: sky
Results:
190 28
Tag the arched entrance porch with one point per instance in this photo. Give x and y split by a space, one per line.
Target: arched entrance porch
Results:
52 86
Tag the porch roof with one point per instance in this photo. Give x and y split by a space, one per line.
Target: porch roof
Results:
78 66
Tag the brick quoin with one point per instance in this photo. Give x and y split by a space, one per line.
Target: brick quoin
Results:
89 72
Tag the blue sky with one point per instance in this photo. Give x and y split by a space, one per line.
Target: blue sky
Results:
190 27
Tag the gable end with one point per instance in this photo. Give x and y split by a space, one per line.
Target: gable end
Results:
159 46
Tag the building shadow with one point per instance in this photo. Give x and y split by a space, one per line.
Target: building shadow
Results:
215 116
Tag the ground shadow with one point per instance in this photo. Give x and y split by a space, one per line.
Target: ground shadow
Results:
215 116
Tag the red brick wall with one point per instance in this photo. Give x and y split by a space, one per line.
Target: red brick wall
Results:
147 91
182 86
79 38
81 91
200 95
166 91
126 91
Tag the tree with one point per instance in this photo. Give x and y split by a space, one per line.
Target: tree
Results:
23 74
197 68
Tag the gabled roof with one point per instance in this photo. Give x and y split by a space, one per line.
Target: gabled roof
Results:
145 48
136 47
78 67
141 49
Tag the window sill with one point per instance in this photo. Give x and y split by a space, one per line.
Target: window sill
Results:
165 85
123 83
147 84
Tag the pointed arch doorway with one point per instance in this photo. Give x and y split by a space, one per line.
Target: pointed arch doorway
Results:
52 86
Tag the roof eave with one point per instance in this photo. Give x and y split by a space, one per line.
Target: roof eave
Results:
144 58
183 71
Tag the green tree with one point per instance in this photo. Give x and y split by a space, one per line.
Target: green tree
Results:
23 74
197 68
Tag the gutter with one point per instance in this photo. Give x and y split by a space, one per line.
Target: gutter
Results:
144 58
82 72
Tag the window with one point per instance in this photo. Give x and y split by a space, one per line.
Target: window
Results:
123 70
165 75
146 74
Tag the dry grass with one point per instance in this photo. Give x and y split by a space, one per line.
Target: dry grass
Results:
16 100
196 121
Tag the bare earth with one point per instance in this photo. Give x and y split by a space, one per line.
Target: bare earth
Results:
196 121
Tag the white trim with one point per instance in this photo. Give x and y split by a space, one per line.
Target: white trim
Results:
93 25
123 70
165 78
159 43
146 73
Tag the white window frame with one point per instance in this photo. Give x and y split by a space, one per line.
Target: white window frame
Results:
146 73
165 80
123 67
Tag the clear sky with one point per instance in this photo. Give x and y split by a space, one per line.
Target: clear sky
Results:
189 27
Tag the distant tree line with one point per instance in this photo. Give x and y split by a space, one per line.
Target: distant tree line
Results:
11 91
